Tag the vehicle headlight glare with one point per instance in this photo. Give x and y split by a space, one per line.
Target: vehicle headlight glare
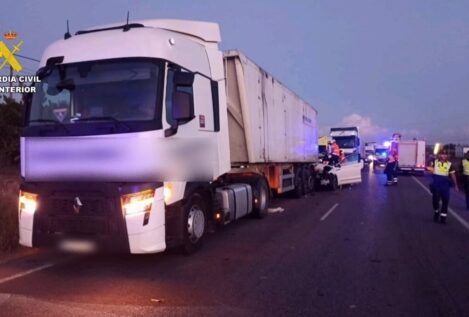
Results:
136 203
167 192
27 202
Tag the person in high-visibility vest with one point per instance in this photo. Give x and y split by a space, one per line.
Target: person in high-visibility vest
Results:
335 152
465 177
390 169
396 167
442 170
342 155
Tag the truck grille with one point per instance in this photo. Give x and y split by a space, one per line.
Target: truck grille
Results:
84 225
96 216
91 207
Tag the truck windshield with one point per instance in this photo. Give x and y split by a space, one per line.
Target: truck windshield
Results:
345 142
113 90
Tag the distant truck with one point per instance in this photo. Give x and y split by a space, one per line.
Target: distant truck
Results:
369 152
411 156
348 139
141 134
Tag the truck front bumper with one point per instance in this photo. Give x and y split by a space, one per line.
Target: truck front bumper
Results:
100 222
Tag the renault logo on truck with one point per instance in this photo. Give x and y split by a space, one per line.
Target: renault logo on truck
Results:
77 205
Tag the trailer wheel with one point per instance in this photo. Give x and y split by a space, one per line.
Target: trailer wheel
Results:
195 223
299 189
261 195
309 181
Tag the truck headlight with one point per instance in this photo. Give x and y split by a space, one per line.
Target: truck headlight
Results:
140 202
27 202
167 192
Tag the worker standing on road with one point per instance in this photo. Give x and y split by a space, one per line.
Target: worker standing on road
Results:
465 177
442 169
390 169
396 167
335 152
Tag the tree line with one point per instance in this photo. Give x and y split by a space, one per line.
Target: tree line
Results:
11 120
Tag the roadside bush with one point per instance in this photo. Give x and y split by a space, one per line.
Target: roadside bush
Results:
8 212
10 129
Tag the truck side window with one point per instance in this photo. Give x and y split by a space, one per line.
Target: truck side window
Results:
170 89
169 97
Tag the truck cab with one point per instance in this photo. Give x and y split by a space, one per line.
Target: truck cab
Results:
138 137
127 120
348 140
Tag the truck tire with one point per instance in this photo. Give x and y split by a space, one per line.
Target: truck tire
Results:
299 189
309 180
261 196
194 223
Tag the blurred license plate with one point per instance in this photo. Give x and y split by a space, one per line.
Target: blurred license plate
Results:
78 246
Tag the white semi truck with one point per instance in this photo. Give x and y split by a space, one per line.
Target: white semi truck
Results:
142 134
347 138
369 152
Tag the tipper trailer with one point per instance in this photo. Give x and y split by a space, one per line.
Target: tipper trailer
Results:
141 134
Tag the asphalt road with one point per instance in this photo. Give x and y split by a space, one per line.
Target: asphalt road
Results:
365 250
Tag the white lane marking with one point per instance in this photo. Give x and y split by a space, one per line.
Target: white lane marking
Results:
329 212
451 211
39 268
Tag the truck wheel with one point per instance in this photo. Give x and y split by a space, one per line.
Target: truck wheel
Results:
308 181
299 191
334 184
261 196
195 223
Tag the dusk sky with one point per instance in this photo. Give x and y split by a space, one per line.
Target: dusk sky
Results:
386 66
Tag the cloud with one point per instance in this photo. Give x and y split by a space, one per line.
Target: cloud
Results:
454 135
368 130
408 134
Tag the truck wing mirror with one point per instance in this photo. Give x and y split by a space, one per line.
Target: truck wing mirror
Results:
182 101
183 107
183 79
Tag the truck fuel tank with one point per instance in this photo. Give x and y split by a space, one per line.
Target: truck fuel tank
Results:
235 201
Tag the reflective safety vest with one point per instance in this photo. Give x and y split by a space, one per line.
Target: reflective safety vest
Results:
392 158
441 168
335 149
465 165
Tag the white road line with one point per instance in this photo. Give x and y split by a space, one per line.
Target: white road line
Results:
450 210
329 212
39 268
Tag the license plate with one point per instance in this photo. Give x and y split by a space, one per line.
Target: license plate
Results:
78 246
